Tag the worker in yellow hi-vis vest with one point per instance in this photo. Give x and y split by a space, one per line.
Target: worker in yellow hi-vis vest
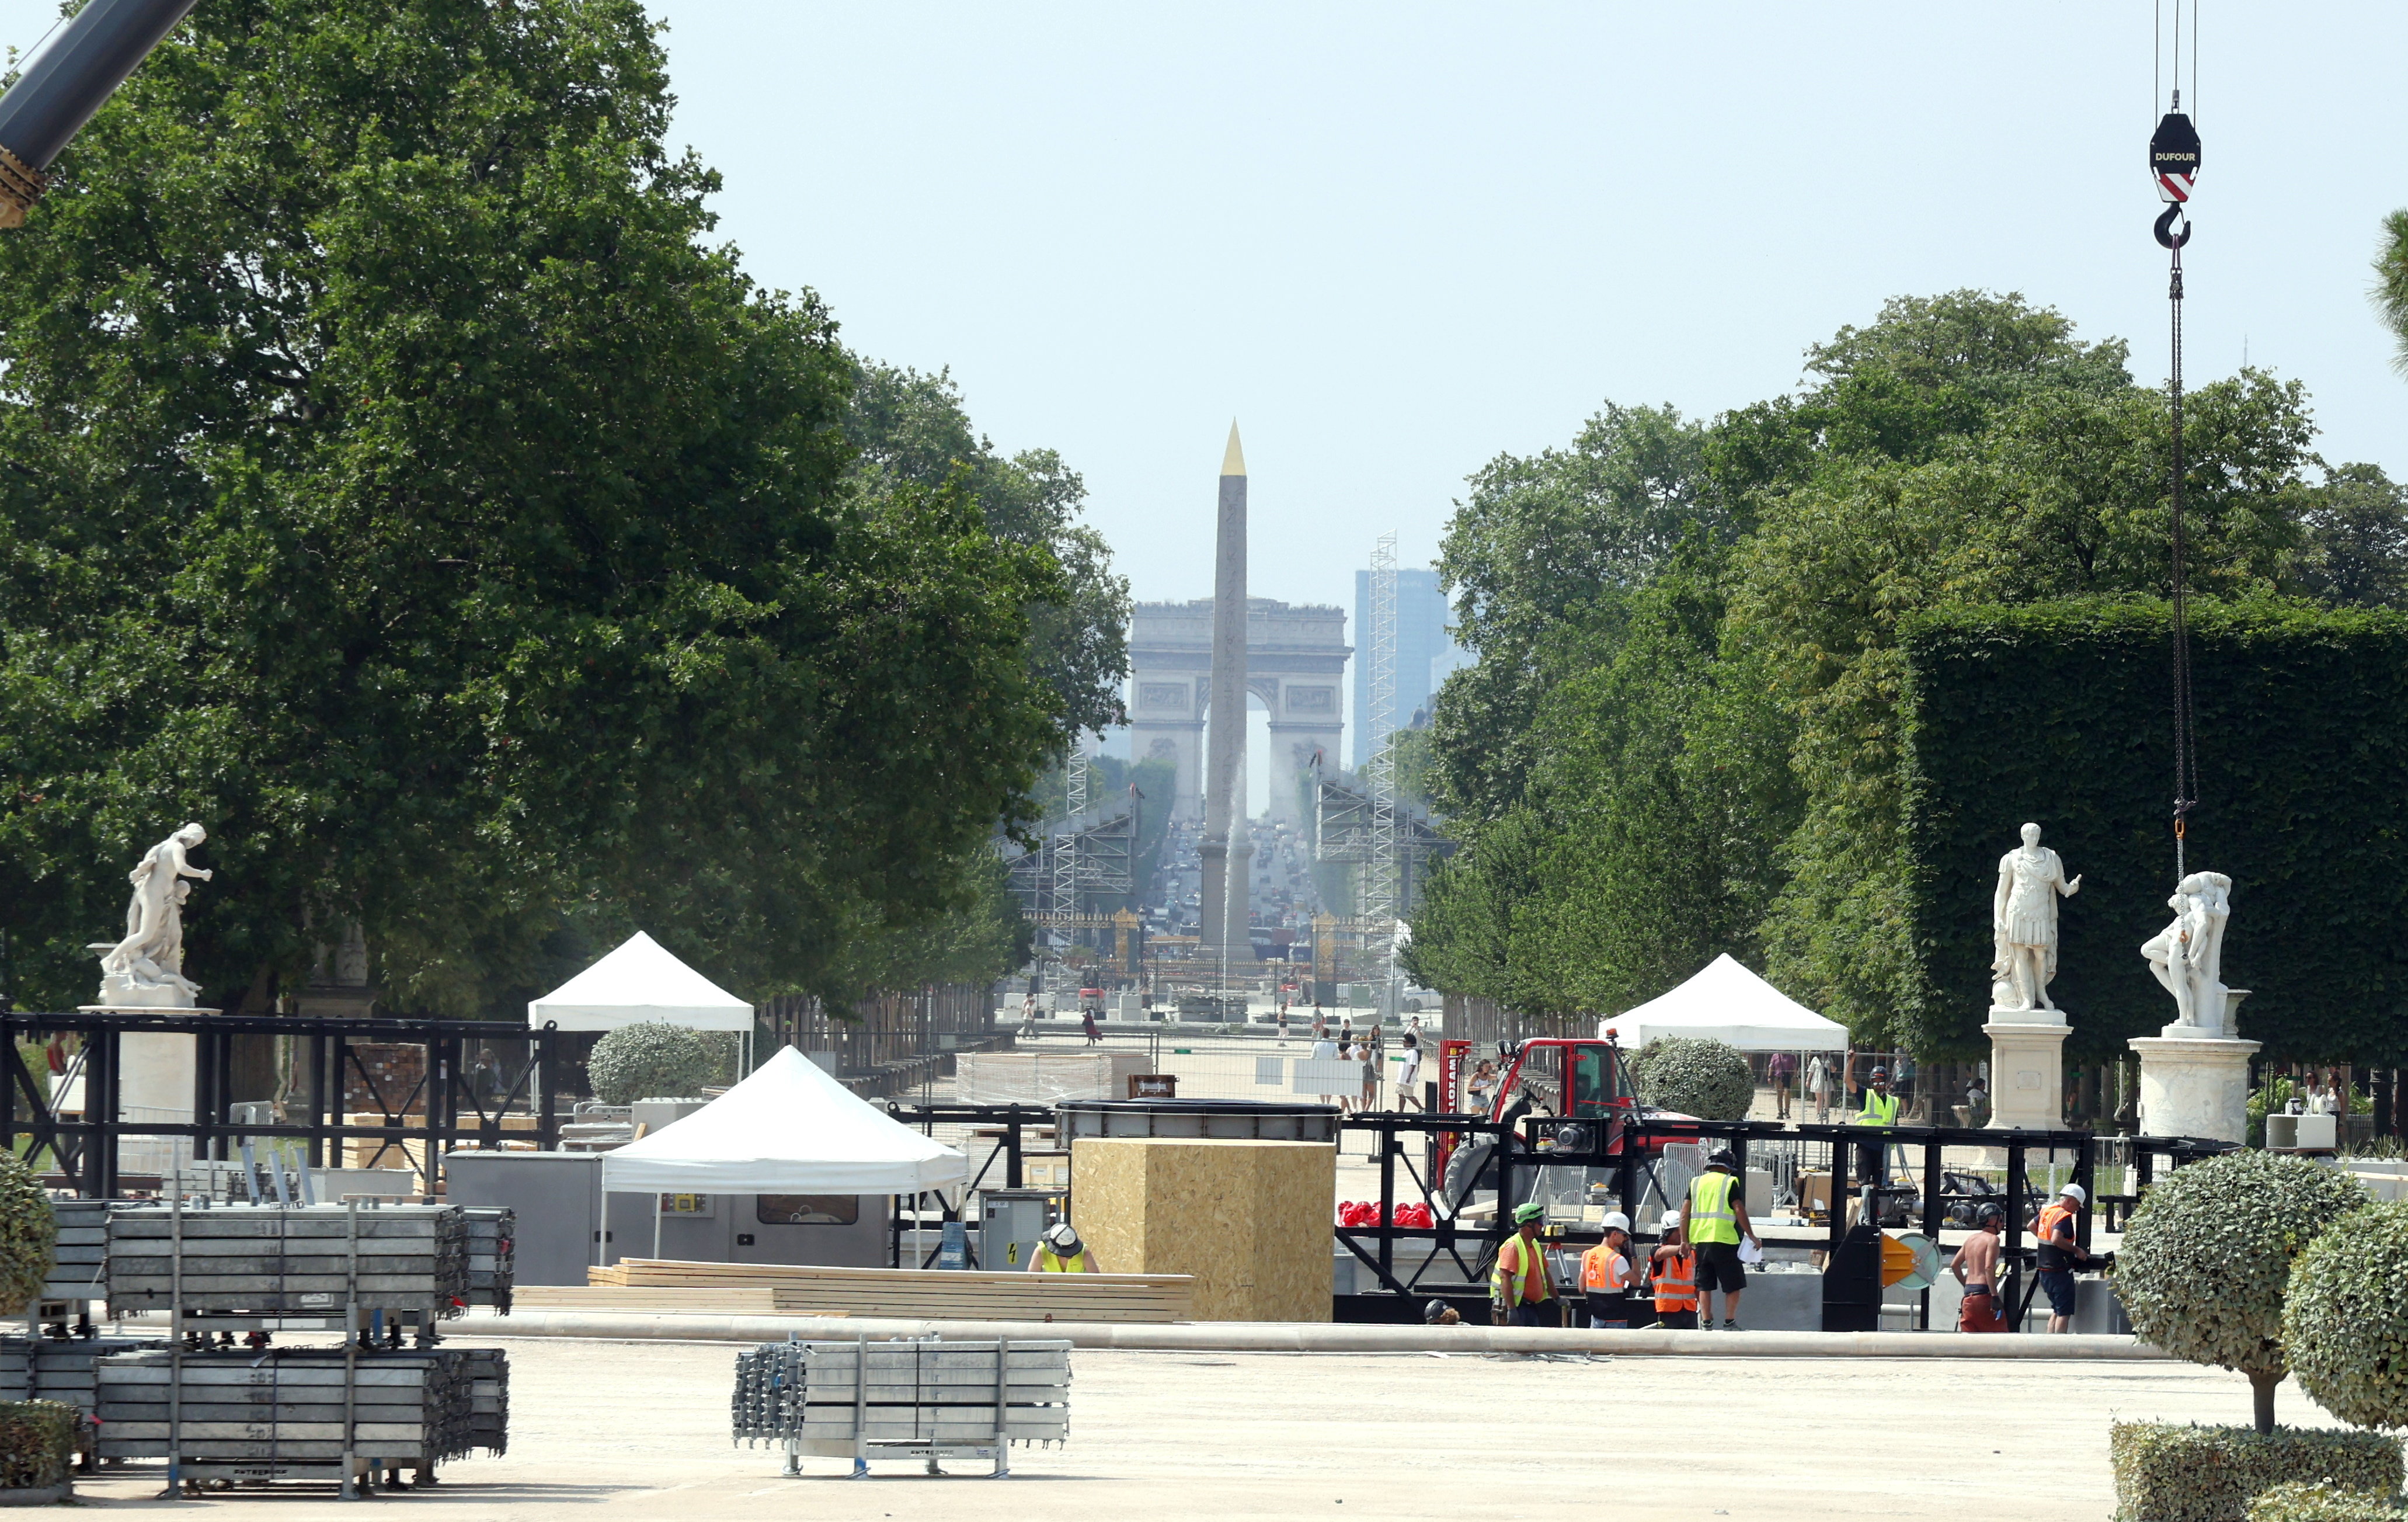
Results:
1880 1109
1713 1219
1521 1288
1060 1251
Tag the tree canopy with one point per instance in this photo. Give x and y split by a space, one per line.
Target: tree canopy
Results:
398 482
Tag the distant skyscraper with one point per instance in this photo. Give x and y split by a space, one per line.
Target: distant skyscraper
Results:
1426 652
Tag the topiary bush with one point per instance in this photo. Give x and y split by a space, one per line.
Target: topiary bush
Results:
2168 1473
2345 1318
1695 1075
29 1235
38 1440
2318 1501
655 1060
2208 1254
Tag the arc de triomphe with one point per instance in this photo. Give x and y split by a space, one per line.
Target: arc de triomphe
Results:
1296 663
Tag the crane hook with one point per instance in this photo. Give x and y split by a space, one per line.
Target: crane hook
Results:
2167 236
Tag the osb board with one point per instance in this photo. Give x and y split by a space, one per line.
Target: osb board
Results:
1249 1219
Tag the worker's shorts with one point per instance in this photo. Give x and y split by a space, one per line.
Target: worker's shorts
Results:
1600 1324
1677 1320
1718 1267
1543 1314
2057 1284
1979 1313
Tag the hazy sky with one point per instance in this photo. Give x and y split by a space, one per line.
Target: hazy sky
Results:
1395 240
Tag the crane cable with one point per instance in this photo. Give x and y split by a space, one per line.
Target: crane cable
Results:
2174 161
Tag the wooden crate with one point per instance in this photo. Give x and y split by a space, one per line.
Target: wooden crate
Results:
1248 1220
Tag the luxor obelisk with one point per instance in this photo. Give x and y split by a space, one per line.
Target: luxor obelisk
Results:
1224 739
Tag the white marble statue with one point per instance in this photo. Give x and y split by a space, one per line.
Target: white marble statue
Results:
2023 924
2187 956
146 969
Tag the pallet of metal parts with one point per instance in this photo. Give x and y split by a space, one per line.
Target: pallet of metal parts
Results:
60 1369
489 1408
300 1260
82 1247
408 1408
491 1254
925 1398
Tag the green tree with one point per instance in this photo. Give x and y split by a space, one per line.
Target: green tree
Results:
2391 281
399 484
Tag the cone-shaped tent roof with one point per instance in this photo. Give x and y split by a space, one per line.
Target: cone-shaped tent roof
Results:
641 982
1728 1003
789 1128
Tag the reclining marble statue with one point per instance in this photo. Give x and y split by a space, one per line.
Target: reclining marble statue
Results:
146 969
2023 924
2187 956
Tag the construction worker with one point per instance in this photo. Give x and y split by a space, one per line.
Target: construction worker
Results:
1673 1269
1712 1220
1605 1276
1976 1267
1060 1251
2059 1253
1880 1109
1520 1287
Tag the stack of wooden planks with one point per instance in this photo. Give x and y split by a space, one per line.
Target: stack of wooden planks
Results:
918 1395
59 1368
755 1301
84 1243
290 1410
289 1259
928 1294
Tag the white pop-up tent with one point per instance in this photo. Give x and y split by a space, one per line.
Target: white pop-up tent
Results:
789 1128
1728 1003
641 982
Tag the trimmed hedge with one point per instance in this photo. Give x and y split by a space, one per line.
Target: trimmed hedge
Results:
37 1442
655 1060
2319 1502
2169 1474
2060 713
29 1235
1695 1075
2345 1318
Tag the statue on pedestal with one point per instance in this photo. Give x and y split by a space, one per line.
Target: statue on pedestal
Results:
146 969
2187 956
2023 924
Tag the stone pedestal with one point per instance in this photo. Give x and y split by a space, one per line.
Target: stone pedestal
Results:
155 1073
2027 1069
2195 1085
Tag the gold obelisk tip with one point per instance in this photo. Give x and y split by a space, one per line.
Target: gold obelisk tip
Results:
1234 462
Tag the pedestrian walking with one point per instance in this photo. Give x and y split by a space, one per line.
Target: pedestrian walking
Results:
1521 1291
1672 1269
2059 1252
1976 1267
1482 1087
1818 1083
1320 1025
1605 1276
1780 1070
1409 1079
1282 1023
1087 1020
1713 1219
1368 1097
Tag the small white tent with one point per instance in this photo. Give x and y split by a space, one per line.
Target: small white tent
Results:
789 1128
641 982
1728 1003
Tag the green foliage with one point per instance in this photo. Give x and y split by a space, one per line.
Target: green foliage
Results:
2345 1318
1695 1075
2208 1253
403 484
654 1060
2391 282
2056 713
38 1440
29 1235
2169 1474
2321 1500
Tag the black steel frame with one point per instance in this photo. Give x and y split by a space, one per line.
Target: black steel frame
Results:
1011 1117
87 1150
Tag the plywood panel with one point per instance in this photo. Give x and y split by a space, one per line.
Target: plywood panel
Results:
1250 1220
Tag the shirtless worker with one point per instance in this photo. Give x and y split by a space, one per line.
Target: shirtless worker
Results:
1976 1267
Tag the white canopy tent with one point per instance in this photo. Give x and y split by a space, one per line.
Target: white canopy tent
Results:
641 982
789 1128
1728 1003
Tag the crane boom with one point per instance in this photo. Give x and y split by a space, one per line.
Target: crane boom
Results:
65 82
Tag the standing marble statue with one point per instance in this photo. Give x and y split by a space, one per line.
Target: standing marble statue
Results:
2187 956
146 969
2023 924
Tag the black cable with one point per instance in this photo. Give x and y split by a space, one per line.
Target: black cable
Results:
2185 758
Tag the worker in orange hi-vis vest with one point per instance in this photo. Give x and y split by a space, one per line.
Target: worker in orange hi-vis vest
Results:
1605 1276
2059 1252
1673 1267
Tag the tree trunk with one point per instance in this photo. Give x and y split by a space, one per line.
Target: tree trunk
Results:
2262 1388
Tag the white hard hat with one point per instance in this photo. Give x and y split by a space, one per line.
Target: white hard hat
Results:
1616 1221
2075 1192
1672 1220
1062 1235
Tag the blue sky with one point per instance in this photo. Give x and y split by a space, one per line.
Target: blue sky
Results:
1395 241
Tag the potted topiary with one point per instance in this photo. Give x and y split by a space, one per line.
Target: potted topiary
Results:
1695 1075
653 1060
2202 1273
2345 1321
39 1439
